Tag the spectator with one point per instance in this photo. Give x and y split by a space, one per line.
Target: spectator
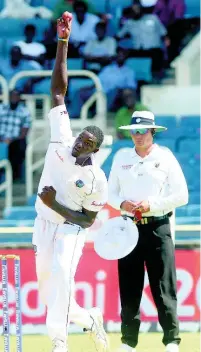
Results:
129 12
171 14
83 27
31 50
67 5
169 11
8 68
146 32
113 77
15 122
20 9
123 115
100 52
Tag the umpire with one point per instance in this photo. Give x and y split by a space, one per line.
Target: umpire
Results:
146 184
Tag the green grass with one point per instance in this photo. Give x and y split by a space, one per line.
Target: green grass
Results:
149 342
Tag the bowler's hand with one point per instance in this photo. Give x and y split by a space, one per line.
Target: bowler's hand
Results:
143 206
48 196
64 25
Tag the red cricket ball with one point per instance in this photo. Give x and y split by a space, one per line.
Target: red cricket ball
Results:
67 15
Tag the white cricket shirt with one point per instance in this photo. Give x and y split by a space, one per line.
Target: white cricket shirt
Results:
157 178
77 187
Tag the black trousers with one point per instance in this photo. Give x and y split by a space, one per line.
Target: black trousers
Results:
16 155
155 249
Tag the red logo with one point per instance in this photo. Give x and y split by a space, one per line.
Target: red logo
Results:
59 156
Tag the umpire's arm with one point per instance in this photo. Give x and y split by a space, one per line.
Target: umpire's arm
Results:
178 190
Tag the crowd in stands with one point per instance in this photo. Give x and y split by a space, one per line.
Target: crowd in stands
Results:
151 29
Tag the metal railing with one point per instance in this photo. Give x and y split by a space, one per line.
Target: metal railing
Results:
7 185
100 116
4 85
99 97
31 165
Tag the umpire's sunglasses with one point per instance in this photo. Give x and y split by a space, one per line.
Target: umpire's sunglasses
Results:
140 131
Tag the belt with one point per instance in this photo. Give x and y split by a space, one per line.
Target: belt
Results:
150 219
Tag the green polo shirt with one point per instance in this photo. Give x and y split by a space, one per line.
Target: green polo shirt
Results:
123 118
63 6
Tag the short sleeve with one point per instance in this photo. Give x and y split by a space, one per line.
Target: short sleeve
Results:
96 201
60 125
88 49
112 47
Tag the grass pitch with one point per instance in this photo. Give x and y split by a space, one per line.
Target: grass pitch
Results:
148 342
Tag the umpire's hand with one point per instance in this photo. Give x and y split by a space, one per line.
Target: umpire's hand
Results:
48 195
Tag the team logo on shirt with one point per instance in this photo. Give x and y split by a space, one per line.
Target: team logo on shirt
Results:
125 167
79 183
157 165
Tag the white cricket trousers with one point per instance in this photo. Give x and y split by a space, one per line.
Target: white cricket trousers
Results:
58 251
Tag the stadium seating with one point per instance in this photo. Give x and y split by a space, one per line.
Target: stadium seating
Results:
192 8
16 223
10 27
19 213
3 151
1 4
141 67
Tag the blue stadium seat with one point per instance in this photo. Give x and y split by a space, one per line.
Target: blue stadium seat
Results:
16 223
186 158
31 200
172 125
75 64
194 197
184 144
188 220
42 87
190 121
3 151
78 83
188 211
141 67
193 210
181 211
19 213
167 121
169 143
192 8
1 4
192 175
